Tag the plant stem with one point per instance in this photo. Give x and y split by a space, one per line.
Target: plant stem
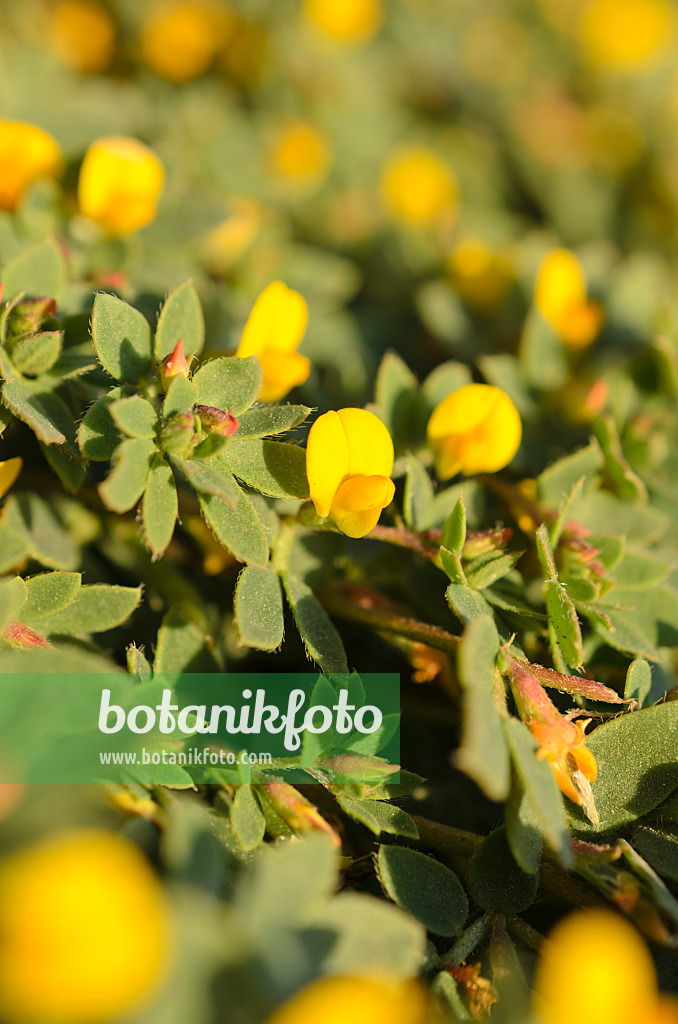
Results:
390 622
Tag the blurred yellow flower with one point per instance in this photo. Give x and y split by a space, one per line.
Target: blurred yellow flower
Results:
356 1000
120 184
349 460
82 35
480 275
346 21
273 332
27 154
9 471
560 297
476 429
614 972
418 188
180 40
84 930
229 241
300 154
626 34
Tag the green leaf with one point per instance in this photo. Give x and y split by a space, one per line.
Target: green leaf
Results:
122 338
70 471
659 846
379 817
237 527
12 598
637 766
396 398
494 879
134 416
274 419
39 272
48 540
466 604
545 552
138 664
424 888
258 609
229 383
272 467
247 819
98 435
483 753
96 608
181 396
453 535
125 484
45 413
483 573
209 478
617 470
638 681
13 547
539 785
522 829
180 318
557 481
451 563
320 638
182 644
48 594
563 617
37 353
159 506
640 571
542 354
372 938
418 497
287 885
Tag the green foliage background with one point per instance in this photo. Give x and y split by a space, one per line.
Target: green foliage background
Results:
128 550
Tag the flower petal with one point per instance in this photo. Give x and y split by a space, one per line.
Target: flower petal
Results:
326 460
9 471
277 321
282 372
360 493
356 524
369 443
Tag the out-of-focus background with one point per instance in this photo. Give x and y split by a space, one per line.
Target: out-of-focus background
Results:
490 182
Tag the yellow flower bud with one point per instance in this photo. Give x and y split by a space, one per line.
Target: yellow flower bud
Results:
345 21
476 429
358 1000
560 297
84 930
273 331
418 188
349 460
626 34
9 471
300 155
27 154
180 40
82 35
120 184
615 970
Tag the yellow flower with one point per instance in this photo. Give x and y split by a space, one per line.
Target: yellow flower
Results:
476 429
481 276
82 35
418 188
349 459
300 154
626 34
9 471
229 241
358 1000
180 40
84 930
120 184
560 741
560 297
346 21
594 968
27 154
273 331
